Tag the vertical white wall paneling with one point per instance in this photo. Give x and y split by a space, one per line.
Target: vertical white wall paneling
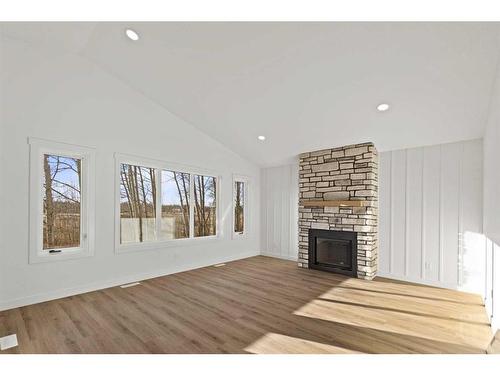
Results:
384 265
491 203
294 211
414 165
275 205
495 293
279 218
285 210
430 198
473 262
398 221
449 205
431 220
490 277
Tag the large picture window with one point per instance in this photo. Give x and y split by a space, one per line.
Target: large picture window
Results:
162 203
61 200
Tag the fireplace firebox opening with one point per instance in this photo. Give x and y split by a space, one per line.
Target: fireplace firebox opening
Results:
333 251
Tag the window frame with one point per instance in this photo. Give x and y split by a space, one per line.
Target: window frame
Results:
246 208
160 165
38 148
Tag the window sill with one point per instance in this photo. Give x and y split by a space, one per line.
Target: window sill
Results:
239 236
63 255
159 245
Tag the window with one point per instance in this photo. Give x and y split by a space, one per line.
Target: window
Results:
239 206
137 204
205 206
163 203
61 201
175 188
240 209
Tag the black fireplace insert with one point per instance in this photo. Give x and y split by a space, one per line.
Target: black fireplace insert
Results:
333 251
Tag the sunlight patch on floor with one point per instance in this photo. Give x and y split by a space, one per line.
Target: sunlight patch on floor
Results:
275 343
344 313
319 309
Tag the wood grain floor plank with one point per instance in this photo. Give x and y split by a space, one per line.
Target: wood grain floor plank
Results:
255 305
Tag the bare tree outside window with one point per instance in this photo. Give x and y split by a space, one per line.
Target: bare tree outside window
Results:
175 188
204 206
186 206
137 204
239 206
61 202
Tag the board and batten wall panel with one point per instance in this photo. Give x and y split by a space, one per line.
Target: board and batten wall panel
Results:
431 216
279 214
491 199
414 192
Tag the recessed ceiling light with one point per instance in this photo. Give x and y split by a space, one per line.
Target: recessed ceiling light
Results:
132 35
382 107
261 138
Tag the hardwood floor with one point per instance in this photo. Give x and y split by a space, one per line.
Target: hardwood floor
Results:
494 347
254 305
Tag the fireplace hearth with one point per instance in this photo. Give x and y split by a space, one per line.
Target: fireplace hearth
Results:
333 251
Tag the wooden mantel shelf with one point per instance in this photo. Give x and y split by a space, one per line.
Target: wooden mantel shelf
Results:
333 203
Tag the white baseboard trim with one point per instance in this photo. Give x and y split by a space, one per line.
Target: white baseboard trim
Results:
417 281
279 256
61 293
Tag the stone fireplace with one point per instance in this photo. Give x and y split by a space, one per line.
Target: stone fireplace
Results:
338 192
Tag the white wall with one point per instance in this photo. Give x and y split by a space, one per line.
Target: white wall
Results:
279 216
431 215
62 97
492 198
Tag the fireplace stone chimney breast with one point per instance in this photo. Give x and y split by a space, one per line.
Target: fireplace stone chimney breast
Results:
347 176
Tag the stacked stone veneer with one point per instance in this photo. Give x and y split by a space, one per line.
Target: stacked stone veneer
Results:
345 173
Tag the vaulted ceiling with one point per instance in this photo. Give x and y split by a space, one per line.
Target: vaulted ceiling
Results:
305 86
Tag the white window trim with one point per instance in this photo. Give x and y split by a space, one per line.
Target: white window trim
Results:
168 166
246 208
39 147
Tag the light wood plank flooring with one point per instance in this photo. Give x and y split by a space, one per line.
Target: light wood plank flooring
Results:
254 305
494 347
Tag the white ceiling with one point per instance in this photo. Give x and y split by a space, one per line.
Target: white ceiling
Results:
305 86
